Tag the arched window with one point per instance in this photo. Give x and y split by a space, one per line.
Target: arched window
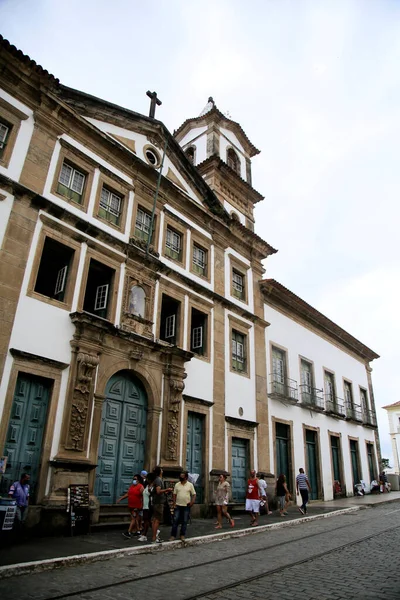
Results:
137 301
235 217
233 160
191 154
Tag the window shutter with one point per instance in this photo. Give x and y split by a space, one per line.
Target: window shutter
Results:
101 297
197 337
170 327
61 279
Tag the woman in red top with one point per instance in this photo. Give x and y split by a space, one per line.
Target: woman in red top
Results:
135 506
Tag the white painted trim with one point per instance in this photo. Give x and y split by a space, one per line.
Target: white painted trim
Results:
161 234
192 224
187 289
255 449
96 158
210 435
55 442
120 295
96 376
186 323
93 192
188 243
226 448
79 275
174 267
5 211
81 233
22 141
155 307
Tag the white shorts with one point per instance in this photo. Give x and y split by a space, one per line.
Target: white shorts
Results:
253 505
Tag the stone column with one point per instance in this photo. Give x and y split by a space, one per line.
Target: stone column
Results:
173 389
372 403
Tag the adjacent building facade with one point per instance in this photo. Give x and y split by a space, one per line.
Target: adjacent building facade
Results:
393 411
136 326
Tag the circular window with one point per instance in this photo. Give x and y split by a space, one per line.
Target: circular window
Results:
240 411
152 156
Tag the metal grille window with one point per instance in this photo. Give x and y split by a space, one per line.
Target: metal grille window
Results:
110 206
173 244
143 224
199 260
239 362
238 284
4 131
71 183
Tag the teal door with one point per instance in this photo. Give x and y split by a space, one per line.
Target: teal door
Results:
240 469
194 451
282 447
354 461
335 448
312 472
23 445
122 437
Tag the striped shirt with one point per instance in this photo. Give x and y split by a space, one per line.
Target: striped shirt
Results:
301 481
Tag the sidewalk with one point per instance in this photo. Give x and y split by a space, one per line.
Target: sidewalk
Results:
106 544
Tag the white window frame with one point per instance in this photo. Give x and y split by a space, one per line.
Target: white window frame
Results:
106 202
197 260
61 280
238 349
72 174
197 338
141 221
238 284
4 132
100 302
170 323
173 241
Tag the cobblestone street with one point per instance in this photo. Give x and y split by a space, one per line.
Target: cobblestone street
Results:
347 556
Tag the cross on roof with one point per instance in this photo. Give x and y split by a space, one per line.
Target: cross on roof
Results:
154 101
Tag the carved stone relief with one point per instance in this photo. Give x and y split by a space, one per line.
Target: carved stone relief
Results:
176 388
86 366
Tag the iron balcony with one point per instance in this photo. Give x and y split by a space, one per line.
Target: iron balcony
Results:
312 397
283 388
353 412
334 405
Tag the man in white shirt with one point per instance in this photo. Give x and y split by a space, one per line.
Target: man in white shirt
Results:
262 486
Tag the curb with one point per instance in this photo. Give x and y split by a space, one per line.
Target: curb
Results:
80 559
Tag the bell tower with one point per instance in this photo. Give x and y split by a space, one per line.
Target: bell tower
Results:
222 152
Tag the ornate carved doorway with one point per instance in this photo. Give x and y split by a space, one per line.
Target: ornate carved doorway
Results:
122 436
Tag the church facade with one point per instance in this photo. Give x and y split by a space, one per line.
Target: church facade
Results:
136 326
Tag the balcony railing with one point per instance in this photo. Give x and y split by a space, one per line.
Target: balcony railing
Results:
334 405
369 418
312 397
284 388
353 411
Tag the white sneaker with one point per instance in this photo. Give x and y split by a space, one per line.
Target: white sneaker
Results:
142 538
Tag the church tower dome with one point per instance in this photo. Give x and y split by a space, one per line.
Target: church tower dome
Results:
222 152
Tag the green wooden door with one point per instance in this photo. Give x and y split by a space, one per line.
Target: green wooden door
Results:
282 448
23 445
239 469
122 437
354 461
312 471
335 457
194 451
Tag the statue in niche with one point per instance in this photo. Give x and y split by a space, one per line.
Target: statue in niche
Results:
137 301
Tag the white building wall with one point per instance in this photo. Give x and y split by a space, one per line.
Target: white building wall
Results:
23 140
5 211
196 137
200 379
299 341
240 390
230 209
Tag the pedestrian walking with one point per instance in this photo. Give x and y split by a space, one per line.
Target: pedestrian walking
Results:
253 498
282 494
303 487
222 501
262 484
147 508
135 506
184 496
158 502
19 491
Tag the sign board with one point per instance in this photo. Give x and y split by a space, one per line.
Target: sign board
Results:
78 508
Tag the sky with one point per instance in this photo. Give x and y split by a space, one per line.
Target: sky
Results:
315 85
